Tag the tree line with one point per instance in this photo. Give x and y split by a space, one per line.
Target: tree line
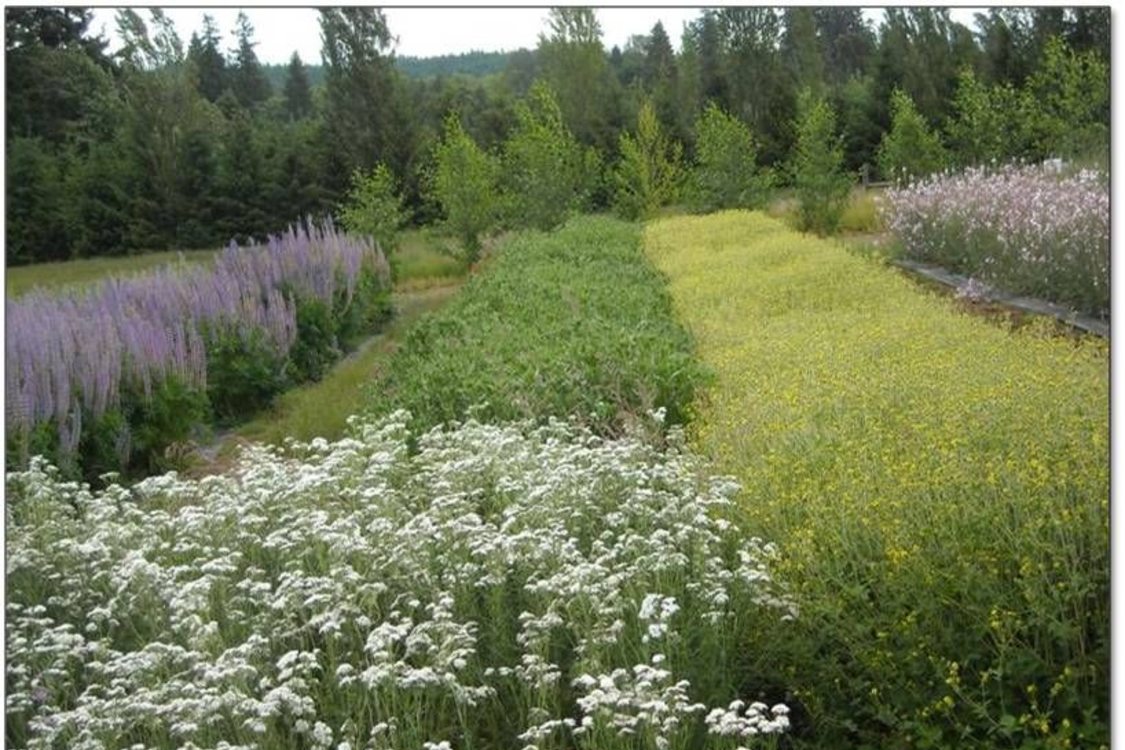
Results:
167 145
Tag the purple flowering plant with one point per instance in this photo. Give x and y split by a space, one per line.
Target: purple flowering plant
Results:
130 365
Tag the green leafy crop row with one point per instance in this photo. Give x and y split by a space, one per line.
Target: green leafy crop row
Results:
573 322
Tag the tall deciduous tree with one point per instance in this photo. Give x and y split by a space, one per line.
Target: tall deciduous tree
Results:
364 120
801 51
759 94
847 42
575 65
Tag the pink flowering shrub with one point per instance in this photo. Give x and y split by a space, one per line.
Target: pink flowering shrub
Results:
1024 229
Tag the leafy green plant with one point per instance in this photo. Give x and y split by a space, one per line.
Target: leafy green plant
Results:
465 183
911 149
374 207
820 182
574 322
650 172
243 373
726 173
1070 94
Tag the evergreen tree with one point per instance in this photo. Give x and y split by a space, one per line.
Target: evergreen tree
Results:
210 67
248 81
661 79
35 203
99 199
712 72
298 96
800 49
241 182
59 82
364 120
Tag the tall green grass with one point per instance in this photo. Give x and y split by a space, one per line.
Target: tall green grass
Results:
939 489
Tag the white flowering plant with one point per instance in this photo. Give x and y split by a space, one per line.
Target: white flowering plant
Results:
513 585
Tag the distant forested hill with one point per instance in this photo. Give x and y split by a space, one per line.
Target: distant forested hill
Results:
468 63
475 64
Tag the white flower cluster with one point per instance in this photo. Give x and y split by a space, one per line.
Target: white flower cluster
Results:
742 721
498 582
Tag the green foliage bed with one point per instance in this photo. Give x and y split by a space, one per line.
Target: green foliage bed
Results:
574 322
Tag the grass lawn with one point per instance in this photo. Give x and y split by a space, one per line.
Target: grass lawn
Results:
22 279
938 487
421 263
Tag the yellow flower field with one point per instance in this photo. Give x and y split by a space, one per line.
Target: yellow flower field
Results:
938 486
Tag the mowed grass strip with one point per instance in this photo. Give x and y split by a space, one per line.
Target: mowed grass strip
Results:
938 486
19 280
574 322
419 262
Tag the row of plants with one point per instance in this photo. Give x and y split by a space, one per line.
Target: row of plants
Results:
542 175
938 488
111 377
517 586
1034 230
571 322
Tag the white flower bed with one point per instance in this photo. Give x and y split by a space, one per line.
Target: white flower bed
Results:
504 586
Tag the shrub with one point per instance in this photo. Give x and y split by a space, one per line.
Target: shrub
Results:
574 322
726 174
499 587
649 172
938 487
465 184
819 180
545 168
373 207
1026 230
910 150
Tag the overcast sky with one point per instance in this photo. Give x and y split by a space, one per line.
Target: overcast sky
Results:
423 32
